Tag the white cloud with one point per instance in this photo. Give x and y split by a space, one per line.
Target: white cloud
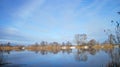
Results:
12 31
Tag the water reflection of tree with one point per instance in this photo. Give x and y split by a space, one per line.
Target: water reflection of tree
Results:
2 59
115 58
81 55
43 52
53 51
68 51
92 51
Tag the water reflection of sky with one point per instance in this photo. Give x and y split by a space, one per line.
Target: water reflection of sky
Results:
74 59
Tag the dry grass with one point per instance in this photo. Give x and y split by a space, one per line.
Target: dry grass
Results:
97 47
108 46
54 47
10 48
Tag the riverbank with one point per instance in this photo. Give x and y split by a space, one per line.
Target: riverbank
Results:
58 47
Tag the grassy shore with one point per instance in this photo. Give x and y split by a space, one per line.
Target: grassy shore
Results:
7 48
57 47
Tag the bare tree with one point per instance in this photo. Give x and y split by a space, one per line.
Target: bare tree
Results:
92 42
80 38
43 43
68 43
114 37
63 44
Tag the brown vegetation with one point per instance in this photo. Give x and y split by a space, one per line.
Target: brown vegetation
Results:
55 47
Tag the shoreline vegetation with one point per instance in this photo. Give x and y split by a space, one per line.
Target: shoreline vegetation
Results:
55 47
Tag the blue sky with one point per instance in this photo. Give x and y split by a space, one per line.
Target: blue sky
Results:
55 20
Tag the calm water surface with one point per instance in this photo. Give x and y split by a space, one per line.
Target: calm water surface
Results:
63 58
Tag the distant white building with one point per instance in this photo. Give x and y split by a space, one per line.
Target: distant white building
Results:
85 47
23 48
72 47
64 47
116 46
